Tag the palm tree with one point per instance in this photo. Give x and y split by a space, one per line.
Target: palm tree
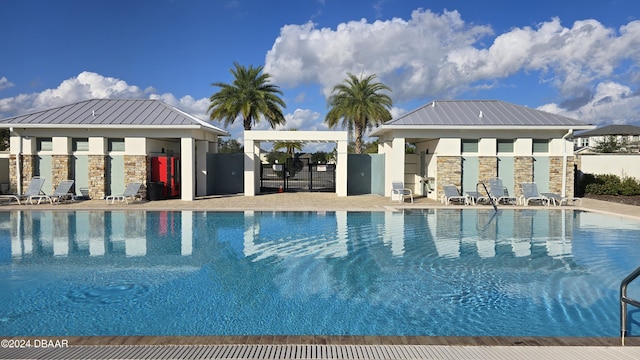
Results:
358 103
290 146
251 96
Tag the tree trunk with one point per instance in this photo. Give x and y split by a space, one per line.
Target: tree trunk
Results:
247 123
357 129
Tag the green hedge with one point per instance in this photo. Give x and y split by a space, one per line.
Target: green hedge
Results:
608 184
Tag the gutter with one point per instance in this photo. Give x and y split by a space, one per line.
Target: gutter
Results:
18 161
564 162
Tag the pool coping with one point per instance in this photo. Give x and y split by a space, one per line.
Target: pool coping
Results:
336 340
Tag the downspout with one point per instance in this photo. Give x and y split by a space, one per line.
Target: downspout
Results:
564 162
18 161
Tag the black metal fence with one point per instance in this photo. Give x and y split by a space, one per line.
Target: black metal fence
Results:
298 175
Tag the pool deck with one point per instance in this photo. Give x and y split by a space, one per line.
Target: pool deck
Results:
320 347
301 202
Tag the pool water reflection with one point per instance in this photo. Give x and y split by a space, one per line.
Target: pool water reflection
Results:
442 272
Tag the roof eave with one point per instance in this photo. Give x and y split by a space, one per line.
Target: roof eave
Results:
116 126
385 128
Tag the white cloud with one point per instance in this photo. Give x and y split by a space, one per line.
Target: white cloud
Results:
611 103
409 55
5 83
440 55
85 86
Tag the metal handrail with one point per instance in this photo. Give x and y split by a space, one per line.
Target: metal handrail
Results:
624 300
491 199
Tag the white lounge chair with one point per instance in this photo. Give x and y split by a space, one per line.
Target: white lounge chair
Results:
35 188
61 193
451 194
499 193
130 193
530 193
400 192
559 200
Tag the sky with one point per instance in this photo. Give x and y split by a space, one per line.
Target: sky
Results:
578 59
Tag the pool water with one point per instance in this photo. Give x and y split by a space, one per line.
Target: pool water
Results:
438 272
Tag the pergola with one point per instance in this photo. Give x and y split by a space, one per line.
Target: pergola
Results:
253 138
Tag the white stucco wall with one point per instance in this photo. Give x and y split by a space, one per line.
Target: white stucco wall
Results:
617 164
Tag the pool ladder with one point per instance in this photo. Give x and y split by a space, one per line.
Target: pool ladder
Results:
624 300
491 199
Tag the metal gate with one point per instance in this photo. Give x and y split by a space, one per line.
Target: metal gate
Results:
298 175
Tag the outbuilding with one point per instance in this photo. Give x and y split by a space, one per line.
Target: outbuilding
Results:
104 144
467 142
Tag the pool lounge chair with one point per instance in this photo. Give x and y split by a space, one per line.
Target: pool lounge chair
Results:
400 192
559 200
130 193
530 193
451 194
498 193
35 188
61 194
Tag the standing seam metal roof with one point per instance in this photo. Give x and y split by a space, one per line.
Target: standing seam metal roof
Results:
480 113
112 112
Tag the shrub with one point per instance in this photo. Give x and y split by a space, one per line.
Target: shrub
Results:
630 186
609 184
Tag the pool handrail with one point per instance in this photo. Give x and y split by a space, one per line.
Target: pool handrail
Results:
492 200
624 300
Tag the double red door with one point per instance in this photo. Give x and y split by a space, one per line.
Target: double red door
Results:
166 169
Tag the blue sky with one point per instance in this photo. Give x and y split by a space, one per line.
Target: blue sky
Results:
576 59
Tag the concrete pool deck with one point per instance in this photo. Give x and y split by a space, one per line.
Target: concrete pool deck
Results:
321 347
302 202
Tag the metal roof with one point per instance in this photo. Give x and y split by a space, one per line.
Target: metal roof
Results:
611 130
475 113
112 113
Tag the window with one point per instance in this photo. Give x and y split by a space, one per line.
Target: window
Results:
540 145
469 145
505 145
116 144
80 144
44 144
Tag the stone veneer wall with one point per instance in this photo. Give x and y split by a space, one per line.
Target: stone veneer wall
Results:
523 167
137 169
555 175
13 175
488 168
60 169
97 176
28 169
449 172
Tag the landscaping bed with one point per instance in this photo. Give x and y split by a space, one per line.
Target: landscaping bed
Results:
629 200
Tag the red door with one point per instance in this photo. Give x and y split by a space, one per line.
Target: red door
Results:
166 169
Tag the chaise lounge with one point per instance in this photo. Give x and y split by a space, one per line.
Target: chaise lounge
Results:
130 193
35 188
61 194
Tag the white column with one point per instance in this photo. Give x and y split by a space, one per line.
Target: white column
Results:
249 167
341 168
187 169
394 163
202 146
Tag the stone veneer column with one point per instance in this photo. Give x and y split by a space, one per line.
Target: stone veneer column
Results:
136 169
488 168
13 175
555 175
60 169
523 167
28 167
97 176
449 172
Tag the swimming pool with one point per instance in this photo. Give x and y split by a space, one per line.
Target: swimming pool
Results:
438 272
